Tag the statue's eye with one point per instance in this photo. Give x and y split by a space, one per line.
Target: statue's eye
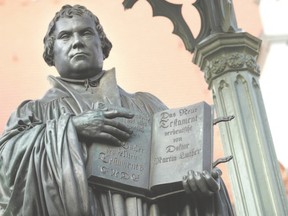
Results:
64 36
87 33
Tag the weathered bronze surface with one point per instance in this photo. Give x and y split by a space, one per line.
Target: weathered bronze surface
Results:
44 148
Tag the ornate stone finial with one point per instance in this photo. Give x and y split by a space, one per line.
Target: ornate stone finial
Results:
221 16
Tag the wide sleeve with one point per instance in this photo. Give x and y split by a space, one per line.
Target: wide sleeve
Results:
42 165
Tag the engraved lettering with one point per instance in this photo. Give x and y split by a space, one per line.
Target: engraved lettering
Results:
180 147
191 153
135 177
186 111
125 175
114 173
119 174
170 148
103 169
102 157
164 118
178 139
185 129
159 160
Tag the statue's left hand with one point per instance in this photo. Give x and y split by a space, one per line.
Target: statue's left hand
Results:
202 183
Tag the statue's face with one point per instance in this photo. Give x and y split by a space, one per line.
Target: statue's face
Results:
77 48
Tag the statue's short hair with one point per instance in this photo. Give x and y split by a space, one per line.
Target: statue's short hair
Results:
68 11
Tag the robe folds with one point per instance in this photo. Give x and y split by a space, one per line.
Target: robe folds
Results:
42 163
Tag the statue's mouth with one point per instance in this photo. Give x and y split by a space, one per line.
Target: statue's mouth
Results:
79 54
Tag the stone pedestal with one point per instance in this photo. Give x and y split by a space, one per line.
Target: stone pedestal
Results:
228 61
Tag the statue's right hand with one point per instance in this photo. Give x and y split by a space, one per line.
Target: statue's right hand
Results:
102 125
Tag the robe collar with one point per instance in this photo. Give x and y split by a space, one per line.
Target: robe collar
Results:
93 81
107 89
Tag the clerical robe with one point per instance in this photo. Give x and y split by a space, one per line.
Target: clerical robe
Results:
42 161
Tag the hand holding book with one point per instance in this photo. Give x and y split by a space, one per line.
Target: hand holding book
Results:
202 183
172 141
102 124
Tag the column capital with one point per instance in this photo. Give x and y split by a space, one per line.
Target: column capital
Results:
221 53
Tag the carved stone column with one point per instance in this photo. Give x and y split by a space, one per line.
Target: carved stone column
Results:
228 61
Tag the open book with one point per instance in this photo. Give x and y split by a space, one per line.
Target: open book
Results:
161 150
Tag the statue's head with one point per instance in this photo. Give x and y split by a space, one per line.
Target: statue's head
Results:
75 30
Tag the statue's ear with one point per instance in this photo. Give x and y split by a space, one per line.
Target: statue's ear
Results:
48 54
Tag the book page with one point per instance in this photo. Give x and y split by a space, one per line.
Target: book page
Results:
181 141
123 167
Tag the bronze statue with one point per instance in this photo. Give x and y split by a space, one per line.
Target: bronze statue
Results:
43 151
